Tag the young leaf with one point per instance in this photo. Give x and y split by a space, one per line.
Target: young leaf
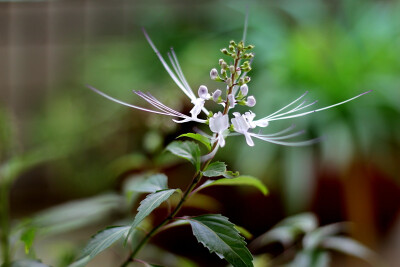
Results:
219 235
151 184
215 169
241 180
198 137
99 242
187 150
151 202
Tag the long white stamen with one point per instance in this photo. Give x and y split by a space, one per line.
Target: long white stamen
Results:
312 111
303 95
126 104
279 133
294 110
287 136
301 143
181 73
153 101
167 68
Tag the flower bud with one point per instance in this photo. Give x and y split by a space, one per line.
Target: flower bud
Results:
224 65
247 79
213 74
244 89
251 101
232 43
249 47
229 81
232 68
232 101
232 48
220 61
203 92
217 93
241 81
225 51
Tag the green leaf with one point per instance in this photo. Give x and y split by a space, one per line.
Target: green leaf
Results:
151 184
151 202
99 242
28 263
219 235
215 169
198 137
244 232
27 237
187 150
241 180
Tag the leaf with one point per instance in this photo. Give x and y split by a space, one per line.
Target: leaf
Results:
198 137
244 232
151 184
241 180
215 169
27 237
78 213
350 247
28 263
219 235
314 238
187 150
151 202
99 242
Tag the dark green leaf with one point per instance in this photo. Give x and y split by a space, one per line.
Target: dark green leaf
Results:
151 202
27 237
202 139
215 169
219 235
187 150
241 180
99 242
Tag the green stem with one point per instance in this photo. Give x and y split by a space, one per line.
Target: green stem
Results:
5 222
196 179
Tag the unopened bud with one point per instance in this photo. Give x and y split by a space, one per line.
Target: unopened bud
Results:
229 81
224 65
232 43
251 101
240 45
203 92
232 101
241 81
247 79
220 61
232 68
244 89
224 51
249 47
216 95
232 48
213 74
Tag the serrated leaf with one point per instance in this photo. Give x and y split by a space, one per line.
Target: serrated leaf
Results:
28 263
150 203
99 242
219 235
215 169
187 150
198 137
151 184
27 237
241 180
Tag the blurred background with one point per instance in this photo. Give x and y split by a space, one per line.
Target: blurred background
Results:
61 142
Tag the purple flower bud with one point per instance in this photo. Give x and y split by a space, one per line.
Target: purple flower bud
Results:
251 101
244 89
203 92
232 101
213 74
216 95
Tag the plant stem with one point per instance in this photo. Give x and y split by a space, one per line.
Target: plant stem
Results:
196 179
5 223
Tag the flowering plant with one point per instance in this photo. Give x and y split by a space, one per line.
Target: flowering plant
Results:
214 231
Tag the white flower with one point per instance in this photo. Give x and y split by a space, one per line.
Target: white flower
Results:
203 92
219 123
241 125
232 101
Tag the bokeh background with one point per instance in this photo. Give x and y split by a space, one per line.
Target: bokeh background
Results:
65 143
